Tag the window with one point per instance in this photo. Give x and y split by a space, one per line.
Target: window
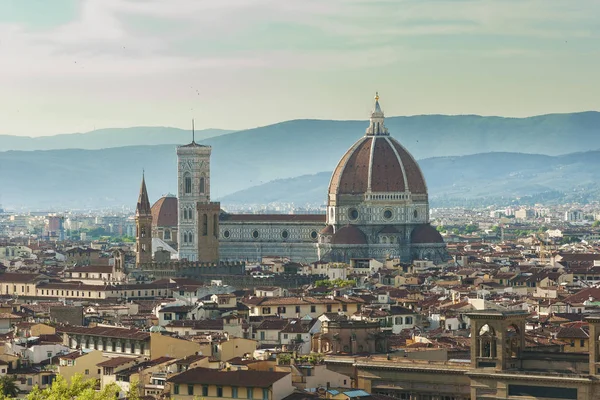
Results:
344 307
249 393
49 354
204 390
234 392
581 343
297 309
202 185
191 390
87 371
285 335
265 394
204 224
168 316
572 343
176 389
188 184
313 309
219 391
328 307
262 335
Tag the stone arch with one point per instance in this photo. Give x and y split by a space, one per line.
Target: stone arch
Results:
512 339
486 342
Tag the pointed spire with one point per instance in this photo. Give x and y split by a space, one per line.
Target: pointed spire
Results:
376 125
143 204
193 132
377 107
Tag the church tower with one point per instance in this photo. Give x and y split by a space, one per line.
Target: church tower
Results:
143 224
198 217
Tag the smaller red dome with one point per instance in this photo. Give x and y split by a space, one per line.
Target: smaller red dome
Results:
424 234
164 212
349 234
328 230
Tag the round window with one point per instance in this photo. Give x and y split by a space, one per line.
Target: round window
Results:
416 213
313 234
285 234
387 214
353 213
226 234
255 234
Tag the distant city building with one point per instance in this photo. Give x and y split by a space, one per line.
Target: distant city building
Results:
573 215
525 213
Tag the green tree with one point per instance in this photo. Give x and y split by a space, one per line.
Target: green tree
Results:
8 387
77 389
596 224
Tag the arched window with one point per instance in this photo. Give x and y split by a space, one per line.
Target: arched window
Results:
185 238
204 224
202 185
191 237
185 214
187 179
190 213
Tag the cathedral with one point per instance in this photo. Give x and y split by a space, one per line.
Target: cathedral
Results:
377 207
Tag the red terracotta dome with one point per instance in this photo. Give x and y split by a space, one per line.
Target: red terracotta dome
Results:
377 163
328 230
349 234
424 234
164 212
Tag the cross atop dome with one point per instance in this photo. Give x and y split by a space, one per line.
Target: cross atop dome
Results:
376 126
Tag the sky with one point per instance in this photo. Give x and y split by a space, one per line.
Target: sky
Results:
77 65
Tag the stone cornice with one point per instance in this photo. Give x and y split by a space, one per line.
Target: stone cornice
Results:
523 375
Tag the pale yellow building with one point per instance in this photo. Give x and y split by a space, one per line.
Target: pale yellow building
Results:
162 345
84 363
241 384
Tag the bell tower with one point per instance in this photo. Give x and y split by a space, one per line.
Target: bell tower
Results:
143 225
195 213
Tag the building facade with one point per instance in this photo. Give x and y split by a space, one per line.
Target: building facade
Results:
377 207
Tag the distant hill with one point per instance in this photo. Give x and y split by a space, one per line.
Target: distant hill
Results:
110 177
105 138
475 179
424 135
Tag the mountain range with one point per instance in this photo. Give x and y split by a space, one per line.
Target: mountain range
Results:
294 157
106 138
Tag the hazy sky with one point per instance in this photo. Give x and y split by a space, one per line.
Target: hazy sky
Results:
75 65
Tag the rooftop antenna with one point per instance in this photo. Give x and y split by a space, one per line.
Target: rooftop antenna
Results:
193 132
